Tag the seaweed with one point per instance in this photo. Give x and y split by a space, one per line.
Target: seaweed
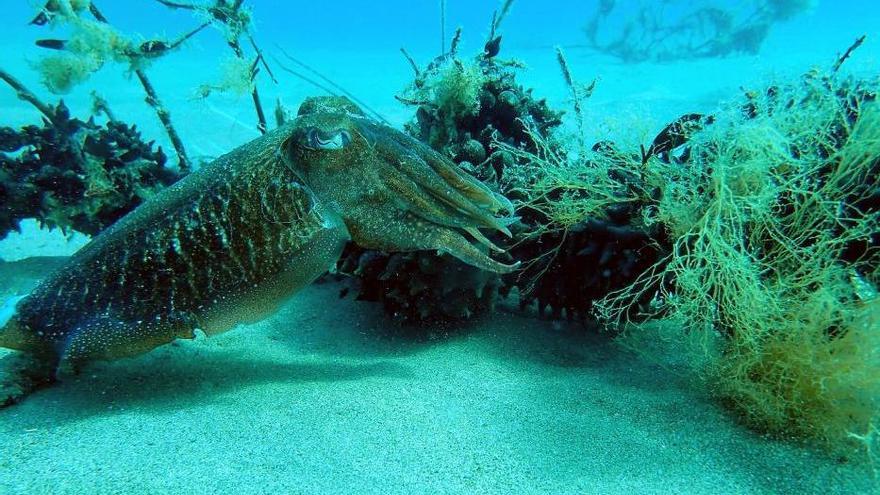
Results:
745 240
93 43
581 233
235 20
773 218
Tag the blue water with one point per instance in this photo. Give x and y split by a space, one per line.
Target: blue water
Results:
331 35
347 24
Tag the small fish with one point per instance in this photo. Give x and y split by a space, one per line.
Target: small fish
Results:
676 134
52 44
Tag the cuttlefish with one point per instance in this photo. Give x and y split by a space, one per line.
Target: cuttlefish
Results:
230 242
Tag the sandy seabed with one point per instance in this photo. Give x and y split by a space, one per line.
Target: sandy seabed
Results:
329 396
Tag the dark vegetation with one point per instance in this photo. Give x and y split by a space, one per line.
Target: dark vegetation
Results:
76 175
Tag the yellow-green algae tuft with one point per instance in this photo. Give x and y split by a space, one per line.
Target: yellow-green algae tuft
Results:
91 45
759 296
761 216
236 77
454 88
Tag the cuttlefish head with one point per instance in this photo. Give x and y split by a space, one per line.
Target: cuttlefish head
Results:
393 192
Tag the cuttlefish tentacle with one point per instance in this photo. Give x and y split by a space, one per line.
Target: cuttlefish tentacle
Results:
421 204
450 209
411 197
467 185
478 204
451 241
479 237
412 232
393 192
442 202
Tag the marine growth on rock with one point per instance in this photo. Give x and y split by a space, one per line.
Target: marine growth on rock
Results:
77 175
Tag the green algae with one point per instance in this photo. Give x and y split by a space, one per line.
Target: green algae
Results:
767 293
764 219
565 186
453 89
235 77
91 45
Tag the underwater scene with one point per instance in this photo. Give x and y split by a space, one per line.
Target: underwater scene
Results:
451 247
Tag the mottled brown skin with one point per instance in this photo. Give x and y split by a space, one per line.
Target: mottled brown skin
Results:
231 241
394 193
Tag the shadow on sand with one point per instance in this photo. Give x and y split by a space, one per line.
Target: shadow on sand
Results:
169 380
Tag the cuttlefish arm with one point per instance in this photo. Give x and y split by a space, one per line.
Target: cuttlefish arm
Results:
393 192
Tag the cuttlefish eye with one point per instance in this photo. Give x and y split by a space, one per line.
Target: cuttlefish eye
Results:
316 139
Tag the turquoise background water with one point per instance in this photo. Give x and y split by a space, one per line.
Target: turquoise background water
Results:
350 24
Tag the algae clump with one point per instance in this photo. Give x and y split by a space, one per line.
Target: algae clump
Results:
770 220
566 187
236 77
774 216
91 45
452 88
61 73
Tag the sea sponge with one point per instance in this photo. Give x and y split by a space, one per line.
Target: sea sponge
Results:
420 286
